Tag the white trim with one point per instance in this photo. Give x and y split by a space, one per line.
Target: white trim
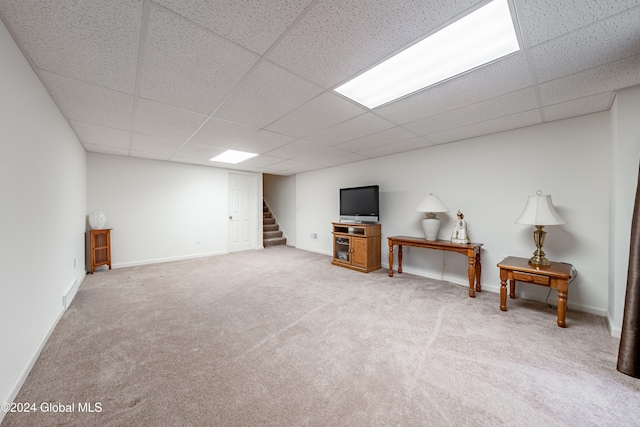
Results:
613 329
17 385
316 250
523 295
168 259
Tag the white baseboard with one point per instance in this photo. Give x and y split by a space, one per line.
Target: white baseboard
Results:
17 385
524 295
613 329
316 250
168 259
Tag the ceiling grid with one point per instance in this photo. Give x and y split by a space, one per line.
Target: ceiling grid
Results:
184 80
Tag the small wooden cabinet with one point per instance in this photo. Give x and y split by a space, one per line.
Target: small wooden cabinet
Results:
99 247
357 246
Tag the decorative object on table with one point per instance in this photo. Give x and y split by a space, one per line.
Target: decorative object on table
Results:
431 205
460 234
97 220
539 211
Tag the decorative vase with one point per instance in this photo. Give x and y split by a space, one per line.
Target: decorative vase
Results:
97 220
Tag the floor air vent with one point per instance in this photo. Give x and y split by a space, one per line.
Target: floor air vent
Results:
69 295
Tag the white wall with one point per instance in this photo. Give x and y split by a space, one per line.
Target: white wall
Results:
43 205
488 179
159 210
624 179
279 193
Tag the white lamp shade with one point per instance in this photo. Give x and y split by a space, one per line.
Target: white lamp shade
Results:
431 203
540 211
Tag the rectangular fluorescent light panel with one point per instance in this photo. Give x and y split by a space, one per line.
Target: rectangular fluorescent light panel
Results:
233 156
478 38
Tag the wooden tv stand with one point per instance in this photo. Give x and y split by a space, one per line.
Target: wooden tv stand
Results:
357 246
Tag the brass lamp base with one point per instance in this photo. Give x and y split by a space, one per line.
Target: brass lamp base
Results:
539 257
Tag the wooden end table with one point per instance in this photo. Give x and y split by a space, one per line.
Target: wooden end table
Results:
555 276
471 250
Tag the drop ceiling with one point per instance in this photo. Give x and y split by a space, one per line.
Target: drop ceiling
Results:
185 80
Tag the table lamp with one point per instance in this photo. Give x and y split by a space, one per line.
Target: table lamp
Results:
539 211
431 205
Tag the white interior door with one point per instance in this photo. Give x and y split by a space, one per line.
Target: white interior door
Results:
242 212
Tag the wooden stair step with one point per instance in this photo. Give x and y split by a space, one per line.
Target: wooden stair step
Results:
275 241
271 234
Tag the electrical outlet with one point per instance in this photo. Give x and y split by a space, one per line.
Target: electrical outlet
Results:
314 236
74 263
198 241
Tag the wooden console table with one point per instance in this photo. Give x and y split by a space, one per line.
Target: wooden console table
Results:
471 250
555 276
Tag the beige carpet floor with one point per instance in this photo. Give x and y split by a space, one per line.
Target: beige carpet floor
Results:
281 337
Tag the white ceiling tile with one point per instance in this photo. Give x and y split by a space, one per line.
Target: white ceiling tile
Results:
608 77
149 155
222 133
255 25
188 160
88 103
189 67
606 41
547 19
338 39
397 147
96 42
342 160
152 118
265 94
527 118
261 161
321 112
581 106
92 134
504 76
294 149
197 152
357 127
287 165
202 57
515 102
322 153
263 141
151 144
104 149
384 137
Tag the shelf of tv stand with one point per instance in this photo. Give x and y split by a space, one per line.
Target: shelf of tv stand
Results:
357 246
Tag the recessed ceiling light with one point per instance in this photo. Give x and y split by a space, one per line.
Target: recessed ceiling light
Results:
478 38
233 156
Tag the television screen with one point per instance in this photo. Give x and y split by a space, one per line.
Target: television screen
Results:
360 204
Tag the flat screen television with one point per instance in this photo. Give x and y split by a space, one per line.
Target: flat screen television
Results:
360 204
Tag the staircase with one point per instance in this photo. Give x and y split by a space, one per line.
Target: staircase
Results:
271 233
